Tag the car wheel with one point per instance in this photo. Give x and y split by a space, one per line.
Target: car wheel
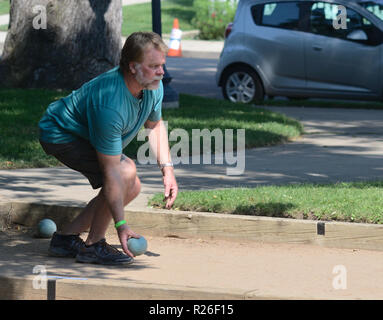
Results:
242 84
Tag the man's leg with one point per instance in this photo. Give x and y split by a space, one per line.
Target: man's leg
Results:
102 217
96 214
83 221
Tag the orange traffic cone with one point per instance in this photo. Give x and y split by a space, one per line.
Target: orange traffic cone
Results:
175 41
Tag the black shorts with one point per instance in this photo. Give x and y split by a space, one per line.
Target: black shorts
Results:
78 155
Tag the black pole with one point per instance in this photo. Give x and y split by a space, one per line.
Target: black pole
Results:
170 96
156 17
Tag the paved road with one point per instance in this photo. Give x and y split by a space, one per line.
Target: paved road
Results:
194 76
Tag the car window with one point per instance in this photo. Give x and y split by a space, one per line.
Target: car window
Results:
322 16
281 15
374 7
325 19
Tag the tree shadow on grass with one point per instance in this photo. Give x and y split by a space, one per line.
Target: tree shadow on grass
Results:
240 113
269 209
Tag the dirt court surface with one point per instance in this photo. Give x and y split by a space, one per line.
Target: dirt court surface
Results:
253 268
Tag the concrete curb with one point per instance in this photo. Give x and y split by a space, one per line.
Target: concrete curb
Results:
17 288
157 222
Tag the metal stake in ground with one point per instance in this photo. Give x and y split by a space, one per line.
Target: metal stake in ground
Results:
51 289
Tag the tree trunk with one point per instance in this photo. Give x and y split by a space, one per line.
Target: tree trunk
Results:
60 43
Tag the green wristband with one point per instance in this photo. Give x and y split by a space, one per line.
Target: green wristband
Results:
120 223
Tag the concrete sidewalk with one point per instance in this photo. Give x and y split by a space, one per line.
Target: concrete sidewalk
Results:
4 19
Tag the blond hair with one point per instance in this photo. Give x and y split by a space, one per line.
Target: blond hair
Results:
135 46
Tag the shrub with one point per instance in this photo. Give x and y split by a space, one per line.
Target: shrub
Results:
212 17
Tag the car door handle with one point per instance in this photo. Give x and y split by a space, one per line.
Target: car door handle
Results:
317 48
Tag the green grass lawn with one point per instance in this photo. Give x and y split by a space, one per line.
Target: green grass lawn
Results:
350 202
4 7
20 111
139 17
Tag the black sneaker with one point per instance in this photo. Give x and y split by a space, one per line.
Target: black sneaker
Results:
65 245
102 253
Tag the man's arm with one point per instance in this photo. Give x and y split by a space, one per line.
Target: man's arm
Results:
158 140
113 185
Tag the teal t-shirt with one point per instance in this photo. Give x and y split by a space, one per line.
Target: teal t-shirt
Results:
102 111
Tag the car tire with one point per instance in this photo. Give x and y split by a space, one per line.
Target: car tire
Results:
242 84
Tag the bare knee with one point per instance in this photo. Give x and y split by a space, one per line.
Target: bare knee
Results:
131 181
128 172
136 188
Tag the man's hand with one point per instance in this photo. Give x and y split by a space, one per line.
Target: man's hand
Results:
124 233
158 140
170 184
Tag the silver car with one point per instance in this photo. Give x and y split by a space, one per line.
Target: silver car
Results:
301 49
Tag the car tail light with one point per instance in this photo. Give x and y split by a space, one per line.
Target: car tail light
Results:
228 29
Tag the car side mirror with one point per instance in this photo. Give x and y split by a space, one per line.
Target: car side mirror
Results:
357 35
